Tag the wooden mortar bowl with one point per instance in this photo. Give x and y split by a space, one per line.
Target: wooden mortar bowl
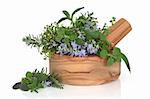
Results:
89 70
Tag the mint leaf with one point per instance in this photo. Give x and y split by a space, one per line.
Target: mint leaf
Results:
95 34
116 51
66 40
110 61
88 35
73 36
104 53
105 47
103 37
79 41
117 54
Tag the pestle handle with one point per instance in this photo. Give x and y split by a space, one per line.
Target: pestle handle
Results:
118 31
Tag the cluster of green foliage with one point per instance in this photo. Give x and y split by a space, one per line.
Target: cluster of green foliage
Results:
115 56
85 25
38 79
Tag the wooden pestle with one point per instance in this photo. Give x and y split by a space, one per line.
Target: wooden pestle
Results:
118 31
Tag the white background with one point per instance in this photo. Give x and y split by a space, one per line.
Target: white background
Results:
21 17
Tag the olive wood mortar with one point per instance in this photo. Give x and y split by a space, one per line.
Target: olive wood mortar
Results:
90 70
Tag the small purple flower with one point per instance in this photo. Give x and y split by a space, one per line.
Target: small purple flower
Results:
91 26
75 53
74 45
79 47
78 53
82 53
62 49
91 49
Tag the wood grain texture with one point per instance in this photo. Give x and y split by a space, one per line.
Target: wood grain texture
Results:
90 70
118 31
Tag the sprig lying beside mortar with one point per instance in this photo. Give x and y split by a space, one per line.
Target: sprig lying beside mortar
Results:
38 79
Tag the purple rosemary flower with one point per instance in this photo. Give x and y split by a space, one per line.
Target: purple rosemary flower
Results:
91 26
80 53
62 49
91 49
74 45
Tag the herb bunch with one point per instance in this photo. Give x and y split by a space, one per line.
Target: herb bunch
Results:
35 80
81 38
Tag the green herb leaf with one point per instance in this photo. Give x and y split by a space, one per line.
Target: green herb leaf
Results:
106 32
95 34
104 53
125 59
59 37
66 40
88 36
34 80
55 82
29 74
62 19
117 54
103 37
105 47
110 61
26 80
79 41
73 36
39 85
67 14
78 9
116 51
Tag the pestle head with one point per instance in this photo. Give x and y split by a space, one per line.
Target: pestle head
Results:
118 31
